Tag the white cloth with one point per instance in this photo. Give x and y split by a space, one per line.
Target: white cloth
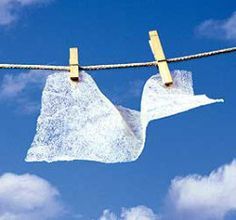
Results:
77 122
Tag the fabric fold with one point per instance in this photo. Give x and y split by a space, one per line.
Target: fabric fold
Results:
159 101
77 122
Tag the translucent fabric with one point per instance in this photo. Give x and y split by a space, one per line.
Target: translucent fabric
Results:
77 122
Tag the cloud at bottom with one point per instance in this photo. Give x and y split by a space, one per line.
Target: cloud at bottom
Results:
135 213
28 197
211 197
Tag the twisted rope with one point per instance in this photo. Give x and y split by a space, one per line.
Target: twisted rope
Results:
202 55
34 67
118 66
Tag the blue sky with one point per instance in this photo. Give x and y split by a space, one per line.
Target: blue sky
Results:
195 142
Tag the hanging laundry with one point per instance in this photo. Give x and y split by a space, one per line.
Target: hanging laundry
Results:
159 101
77 122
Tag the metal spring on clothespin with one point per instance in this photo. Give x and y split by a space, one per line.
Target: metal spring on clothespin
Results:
159 55
74 64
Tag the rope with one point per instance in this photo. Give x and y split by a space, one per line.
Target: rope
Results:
34 67
118 66
202 55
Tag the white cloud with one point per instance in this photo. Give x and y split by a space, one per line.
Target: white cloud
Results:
28 197
9 9
15 85
19 87
139 212
219 29
194 197
204 197
135 213
108 215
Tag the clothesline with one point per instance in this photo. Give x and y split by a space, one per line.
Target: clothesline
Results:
118 66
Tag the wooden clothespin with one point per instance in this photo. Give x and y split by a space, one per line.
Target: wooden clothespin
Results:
74 64
159 55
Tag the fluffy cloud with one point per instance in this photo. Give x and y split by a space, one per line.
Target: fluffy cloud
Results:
194 197
139 212
19 87
220 29
135 213
9 9
204 197
108 215
28 197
